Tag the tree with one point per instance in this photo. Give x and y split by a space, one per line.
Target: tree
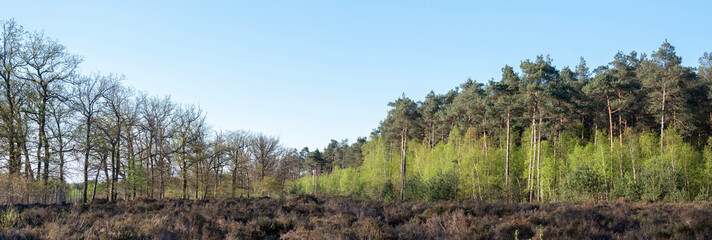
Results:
157 116
505 93
47 64
663 77
188 120
238 147
12 90
404 113
705 77
429 109
116 100
602 89
62 128
315 162
288 166
535 79
86 100
626 87
264 149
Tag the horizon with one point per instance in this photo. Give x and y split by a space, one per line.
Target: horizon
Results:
311 72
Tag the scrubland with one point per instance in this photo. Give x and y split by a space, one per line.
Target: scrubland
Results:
309 217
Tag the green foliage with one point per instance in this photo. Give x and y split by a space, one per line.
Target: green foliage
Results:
414 188
582 183
10 218
387 191
271 185
661 183
442 187
596 136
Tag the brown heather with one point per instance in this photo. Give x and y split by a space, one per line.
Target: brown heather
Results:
308 217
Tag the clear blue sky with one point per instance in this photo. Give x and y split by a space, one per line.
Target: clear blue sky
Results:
310 71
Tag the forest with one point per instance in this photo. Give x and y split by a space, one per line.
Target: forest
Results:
114 142
638 128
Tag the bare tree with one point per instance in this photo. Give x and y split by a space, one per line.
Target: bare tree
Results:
48 64
237 151
264 149
12 89
288 166
86 100
156 114
62 129
188 120
117 104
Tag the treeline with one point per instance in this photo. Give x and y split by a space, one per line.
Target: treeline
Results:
56 124
637 127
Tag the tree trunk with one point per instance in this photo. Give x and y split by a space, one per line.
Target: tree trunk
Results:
116 164
610 122
132 162
197 179
620 142
532 153
662 123
404 142
538 160
96 177
28 167
107 180
110 181
44 142
86 160
506 170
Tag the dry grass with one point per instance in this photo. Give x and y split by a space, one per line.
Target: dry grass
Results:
308 217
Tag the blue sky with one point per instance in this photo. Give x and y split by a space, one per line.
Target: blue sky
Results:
310 71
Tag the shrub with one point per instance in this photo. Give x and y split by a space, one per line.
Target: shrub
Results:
442 187
583 183
414 188
271 185
10 218
660 183
388 191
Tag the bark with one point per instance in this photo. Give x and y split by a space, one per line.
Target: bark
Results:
184 172
197 179
610 122
43 140
538 160
506 170
620 143
132 162
404 141
28 167
530 186
106 172
662 123
86 160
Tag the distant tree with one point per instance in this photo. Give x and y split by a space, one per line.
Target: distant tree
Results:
663 76
404 113
47 64
13 94
87 101
506 92
315 162
264 149
238 147
189 120
536 77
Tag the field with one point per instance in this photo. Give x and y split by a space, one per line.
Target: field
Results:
308 217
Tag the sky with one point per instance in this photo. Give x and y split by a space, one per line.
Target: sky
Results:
311 71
